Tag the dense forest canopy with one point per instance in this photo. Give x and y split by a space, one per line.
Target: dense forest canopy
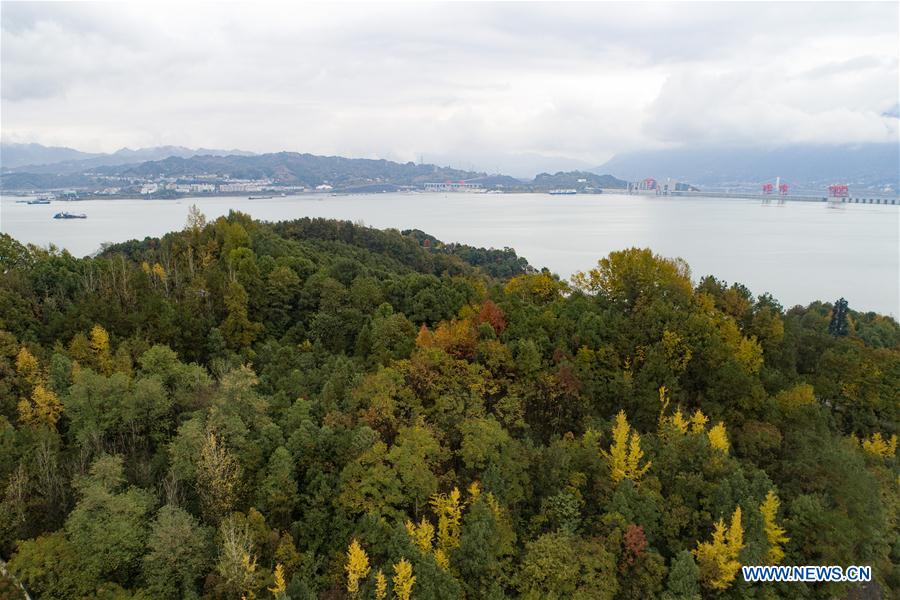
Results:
318 409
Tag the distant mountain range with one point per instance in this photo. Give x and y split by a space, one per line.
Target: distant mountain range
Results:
286 168
35 158
19 155
862 166
806 168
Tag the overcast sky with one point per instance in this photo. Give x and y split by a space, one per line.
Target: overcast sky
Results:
468 83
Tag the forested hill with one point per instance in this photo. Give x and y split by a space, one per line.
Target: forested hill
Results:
287 168
578 180
315 409
292 167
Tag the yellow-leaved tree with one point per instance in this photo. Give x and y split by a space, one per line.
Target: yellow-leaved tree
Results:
218 478
676 423
698 421
40 406
718 437
422 534
799 395
440 557
279 587
474 491
537 287
403 580
774 532
248 563
678 353
663 406
100 347
43 408
449 513
27 367
679 422
380 586
357 566
625 455
718 559
425 339
160 272
878 446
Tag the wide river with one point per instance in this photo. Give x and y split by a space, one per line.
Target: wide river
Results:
799 252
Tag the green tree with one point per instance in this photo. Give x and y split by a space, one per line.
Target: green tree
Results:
179 554
282 292
109 524
49 567
838 324
277 494
684 578
93 406
558 565
392 336
485 542
369 485
414 457
239 331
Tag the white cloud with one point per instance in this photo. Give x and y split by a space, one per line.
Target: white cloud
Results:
578 81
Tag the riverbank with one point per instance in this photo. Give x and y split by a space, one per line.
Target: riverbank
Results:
866 198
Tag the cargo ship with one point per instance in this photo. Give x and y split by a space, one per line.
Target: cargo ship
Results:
566 192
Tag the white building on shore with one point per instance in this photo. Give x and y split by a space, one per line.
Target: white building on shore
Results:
453 186
195 188
240 187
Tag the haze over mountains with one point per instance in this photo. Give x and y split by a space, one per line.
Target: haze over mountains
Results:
867 166
35 158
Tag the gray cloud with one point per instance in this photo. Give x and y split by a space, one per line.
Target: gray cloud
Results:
575 81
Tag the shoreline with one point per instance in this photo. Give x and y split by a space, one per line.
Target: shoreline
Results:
867 198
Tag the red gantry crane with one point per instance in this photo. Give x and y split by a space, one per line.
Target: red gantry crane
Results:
770 188
839 190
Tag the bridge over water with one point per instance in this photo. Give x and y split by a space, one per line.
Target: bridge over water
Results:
774 198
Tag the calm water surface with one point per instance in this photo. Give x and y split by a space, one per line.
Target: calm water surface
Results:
799 252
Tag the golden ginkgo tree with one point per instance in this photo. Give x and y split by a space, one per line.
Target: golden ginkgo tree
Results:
357 566
775 534
625 455
718 558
